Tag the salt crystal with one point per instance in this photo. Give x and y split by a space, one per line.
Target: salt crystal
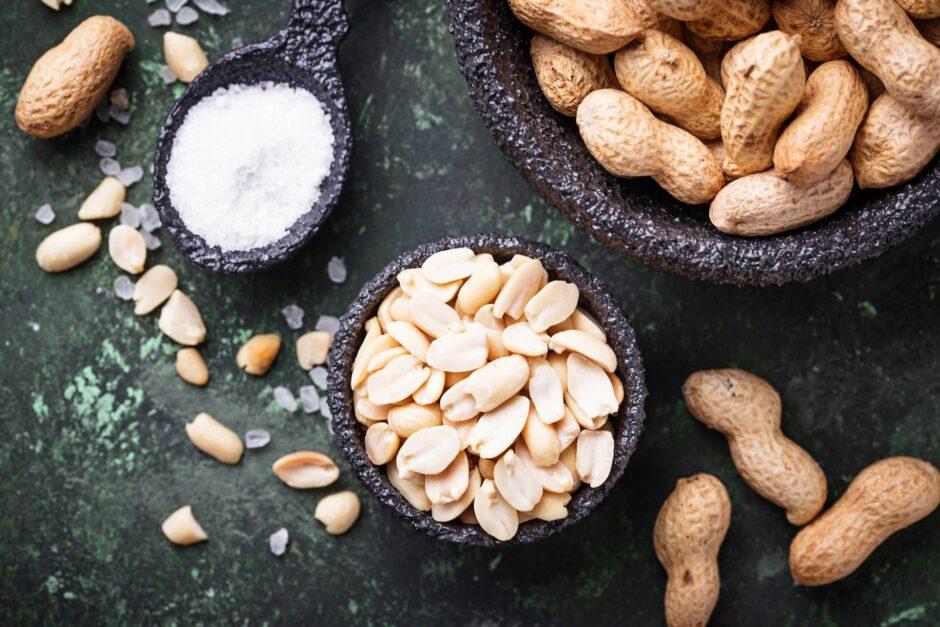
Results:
151 241
124 288
102 109
119 115
212 7
237 42
328 323
336 270
45 214
319 375
149 218
175 5
186 16
167 74
257 438
294 316
33 325
309 399
160 17
129 215
131 175
325 410
109 166
119 99
285 399
105 148
278 541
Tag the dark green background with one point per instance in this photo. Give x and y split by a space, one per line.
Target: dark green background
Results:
93 453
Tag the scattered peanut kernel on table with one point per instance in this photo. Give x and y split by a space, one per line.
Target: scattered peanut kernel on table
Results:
486 366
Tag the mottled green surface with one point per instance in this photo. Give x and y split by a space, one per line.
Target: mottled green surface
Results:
93 453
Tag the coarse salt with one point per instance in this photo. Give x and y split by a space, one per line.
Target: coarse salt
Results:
247 163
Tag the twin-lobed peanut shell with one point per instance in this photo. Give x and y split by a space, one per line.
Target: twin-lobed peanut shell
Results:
566 75
595 26
814 21
717 19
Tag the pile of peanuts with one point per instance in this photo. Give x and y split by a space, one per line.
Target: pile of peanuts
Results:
714 103
486 385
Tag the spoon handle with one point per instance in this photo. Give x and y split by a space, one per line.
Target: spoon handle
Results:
314 31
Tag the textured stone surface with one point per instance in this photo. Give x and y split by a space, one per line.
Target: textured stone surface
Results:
93 454
302 55
594 297
636 217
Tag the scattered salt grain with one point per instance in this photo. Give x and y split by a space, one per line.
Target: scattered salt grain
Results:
309 399
151 241
175 5
119 115
131 175
101 110
123 288
129 215
328 323
186 16
294 316
285 399
237 42
119 99
160 17
109 166
212 7
257 438
167 75
45 214
278 133
105 148
319 375
336 270
33 325
149 218
325 410
278 541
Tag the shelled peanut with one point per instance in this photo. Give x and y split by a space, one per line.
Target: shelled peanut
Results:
485 388
784 138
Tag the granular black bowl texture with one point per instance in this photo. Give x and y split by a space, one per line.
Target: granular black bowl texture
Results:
303 55
635 217
594 298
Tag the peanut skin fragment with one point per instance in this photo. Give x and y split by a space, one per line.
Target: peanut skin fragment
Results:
886 497
746 410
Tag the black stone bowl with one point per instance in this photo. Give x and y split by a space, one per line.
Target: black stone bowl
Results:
594 298
302 55
636 218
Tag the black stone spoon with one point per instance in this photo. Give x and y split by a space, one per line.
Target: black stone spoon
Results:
594 298
303 55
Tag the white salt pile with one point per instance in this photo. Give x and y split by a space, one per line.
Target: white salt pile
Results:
247 162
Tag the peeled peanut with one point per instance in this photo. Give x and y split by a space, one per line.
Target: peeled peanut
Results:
127 249
483 284
665 75
886 497
629 141
213 438
181 527
154 286
306 469
258 354
764 204
338 512
717 19
191 367
814 21
412 492
105 201
687 535
541 440
595 26
184 55
764 83
68 81
566 75
66 248
746 409
893 145
497 382
312 348
820 136
881 37
181 321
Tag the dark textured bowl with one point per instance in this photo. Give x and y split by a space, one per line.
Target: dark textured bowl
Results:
594 297
636 218
302 55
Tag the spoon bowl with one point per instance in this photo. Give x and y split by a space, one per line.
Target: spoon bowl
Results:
302 55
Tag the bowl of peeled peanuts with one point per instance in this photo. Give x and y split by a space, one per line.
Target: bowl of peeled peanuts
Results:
487 389
732 142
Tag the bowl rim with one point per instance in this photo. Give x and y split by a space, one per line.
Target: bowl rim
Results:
646 223
560 265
